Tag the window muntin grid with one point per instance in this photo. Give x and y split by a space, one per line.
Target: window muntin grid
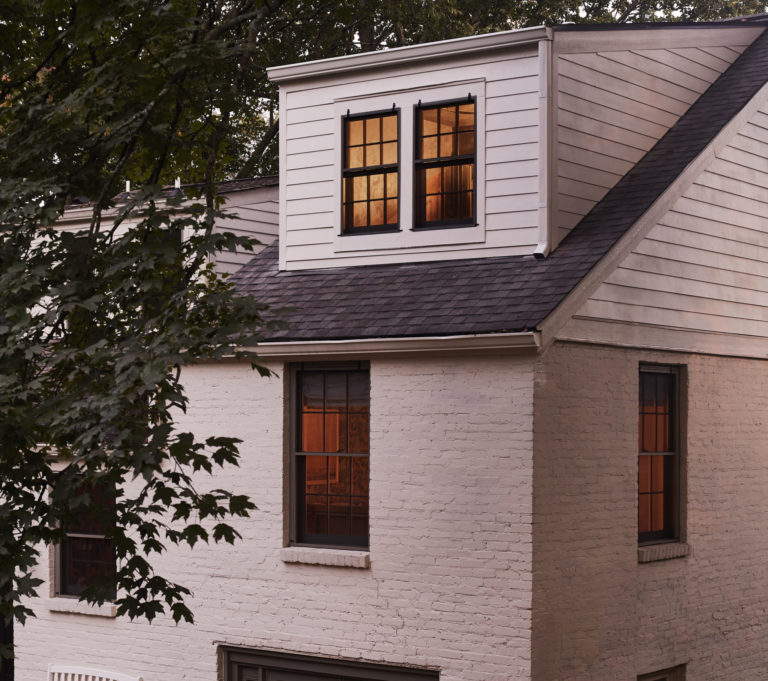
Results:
658 455
445 164
370 182
332 455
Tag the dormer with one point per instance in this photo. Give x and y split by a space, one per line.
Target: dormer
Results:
491 145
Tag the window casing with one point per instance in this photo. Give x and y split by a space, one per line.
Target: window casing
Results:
444 160
242 664
86 557
371 173
659 442
330 424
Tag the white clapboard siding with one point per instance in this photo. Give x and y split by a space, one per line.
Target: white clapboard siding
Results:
507 84
257 216
701 273
615 103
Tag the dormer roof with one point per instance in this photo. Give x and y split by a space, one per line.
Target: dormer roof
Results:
496 294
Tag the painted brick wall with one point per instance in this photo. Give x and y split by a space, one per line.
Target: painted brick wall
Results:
451 547
598 614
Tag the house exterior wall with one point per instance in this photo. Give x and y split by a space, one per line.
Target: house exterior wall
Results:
507 86
597 612
449 583
617 93
699 279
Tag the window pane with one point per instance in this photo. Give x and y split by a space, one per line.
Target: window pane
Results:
377 186
355 157
429 147
467 117
433 180
316 474
429 121
391 185
451 207
644 513
467 176
466 143
447 119
466 207
389 127
97 513
360 188
339 515
359 433
377 212
354 132
644 474
335 432
433 209
311 391
360 516
373 155
657 512
339 474
451 179
389 153
447 145
372 130
657 473
316 516
360 475
360 215
392 212
311 432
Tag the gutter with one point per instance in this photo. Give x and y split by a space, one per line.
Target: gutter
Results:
411 54
525 340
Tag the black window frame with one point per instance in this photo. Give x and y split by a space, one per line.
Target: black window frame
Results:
673 495
248 664
420 222
298 535
62 586
382 168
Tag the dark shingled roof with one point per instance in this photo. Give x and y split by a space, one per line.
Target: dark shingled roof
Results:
494 294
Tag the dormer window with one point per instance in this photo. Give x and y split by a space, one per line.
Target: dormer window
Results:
445 164
370 176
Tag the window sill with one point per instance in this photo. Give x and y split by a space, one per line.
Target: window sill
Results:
334 557
656 552
74 606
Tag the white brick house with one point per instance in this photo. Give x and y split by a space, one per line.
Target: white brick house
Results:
518 422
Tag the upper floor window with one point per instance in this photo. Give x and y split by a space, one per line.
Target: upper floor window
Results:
445 164
659 454
370 194
330 454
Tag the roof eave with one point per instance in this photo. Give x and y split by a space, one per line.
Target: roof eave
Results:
407 55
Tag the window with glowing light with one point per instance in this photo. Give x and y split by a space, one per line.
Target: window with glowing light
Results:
444 182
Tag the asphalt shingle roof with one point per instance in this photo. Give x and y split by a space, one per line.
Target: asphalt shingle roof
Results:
494 294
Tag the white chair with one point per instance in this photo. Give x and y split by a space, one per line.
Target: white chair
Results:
64 672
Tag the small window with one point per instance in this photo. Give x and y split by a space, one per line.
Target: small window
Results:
86 557
330 454
370 193
659 454
673 674
445 164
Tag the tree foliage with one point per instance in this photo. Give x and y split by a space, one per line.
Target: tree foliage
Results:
96 325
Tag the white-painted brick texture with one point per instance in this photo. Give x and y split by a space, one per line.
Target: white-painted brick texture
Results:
601 615
449 583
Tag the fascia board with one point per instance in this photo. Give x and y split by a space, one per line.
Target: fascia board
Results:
396 346
406 55
571 304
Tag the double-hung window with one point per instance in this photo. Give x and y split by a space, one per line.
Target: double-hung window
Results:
370 193
86 556
445 164
659 454
330 453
